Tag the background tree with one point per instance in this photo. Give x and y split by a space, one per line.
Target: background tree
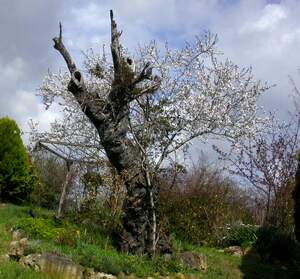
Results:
296 197
52 172
267 162
203 202
17 178
141 109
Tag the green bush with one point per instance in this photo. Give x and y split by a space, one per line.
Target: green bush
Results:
17 178
194 216
186 218
67 236
52 173
236 235
273 245
39 227
96 219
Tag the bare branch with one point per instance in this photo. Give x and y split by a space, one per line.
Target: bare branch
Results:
164 153
267 162
59 46
60 31
146 73
115 44
148 90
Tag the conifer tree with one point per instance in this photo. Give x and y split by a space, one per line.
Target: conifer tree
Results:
16 173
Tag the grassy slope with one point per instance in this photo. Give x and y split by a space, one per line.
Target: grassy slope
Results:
108 259
227 266
11 270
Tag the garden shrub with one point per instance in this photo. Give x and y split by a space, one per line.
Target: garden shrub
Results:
273 245
52 173
186 219
202 202
237 234
17 177
39 227
97 223
67 236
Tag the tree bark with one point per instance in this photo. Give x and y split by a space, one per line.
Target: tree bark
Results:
112 123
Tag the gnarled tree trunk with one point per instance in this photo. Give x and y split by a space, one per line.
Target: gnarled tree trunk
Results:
111 120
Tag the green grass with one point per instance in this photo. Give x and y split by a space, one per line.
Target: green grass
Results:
9 215
13 270
99 253
222 265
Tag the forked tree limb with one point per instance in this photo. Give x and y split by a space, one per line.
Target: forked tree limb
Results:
77 85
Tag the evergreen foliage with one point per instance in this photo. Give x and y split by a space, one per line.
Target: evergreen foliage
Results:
17 178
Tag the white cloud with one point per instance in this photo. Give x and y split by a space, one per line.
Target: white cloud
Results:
12 70
45 118
291 37
26 103
270 17
92 16
265 36
27 107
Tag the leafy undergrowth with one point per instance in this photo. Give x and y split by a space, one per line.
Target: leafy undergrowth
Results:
97 251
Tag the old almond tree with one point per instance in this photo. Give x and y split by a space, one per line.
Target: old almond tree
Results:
142 108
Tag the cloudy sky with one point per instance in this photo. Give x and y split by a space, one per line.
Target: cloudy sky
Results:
262 33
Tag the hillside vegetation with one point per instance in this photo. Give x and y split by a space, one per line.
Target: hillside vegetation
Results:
69 239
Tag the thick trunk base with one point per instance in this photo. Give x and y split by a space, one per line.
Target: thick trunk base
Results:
136 236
